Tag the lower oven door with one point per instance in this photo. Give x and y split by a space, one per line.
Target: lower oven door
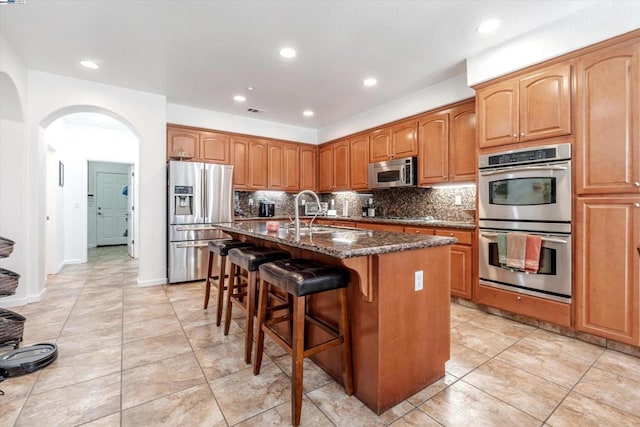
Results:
553 280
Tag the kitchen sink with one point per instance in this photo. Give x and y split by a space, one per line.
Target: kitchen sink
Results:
314 230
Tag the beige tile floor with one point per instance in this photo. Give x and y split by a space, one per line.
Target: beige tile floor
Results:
134 356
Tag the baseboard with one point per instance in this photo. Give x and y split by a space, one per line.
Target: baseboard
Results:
14 301
153 282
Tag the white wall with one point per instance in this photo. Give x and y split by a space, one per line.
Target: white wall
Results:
595 23
13 173
208 119
52 96
75 145
447 92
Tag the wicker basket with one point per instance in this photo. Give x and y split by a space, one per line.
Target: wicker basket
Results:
11 328
8 282
6 247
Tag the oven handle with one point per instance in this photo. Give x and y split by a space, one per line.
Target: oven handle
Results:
544 239
523 169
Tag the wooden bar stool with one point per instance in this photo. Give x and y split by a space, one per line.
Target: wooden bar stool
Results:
220 248
243 292
299 278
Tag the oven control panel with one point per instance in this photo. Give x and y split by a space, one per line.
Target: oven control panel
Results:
531 155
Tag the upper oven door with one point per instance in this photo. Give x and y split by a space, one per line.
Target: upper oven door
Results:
539 192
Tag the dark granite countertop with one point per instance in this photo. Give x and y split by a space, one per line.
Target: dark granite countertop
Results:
463 225
341 242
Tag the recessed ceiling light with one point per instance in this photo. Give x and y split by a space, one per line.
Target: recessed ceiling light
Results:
370 81
250 88
89 64
239 98
287 52
307 113
488 26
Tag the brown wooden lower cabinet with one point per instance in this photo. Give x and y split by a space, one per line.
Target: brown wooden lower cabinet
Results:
381 227
607 289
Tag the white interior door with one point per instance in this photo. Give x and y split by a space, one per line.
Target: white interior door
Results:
112 209
130 208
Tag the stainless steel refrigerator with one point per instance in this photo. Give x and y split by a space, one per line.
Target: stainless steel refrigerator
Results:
200 195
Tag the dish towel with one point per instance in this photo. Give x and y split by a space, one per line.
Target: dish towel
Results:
532 254
502 248
516 249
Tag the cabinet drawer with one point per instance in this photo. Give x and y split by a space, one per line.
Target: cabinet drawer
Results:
464 237
419 230
537 308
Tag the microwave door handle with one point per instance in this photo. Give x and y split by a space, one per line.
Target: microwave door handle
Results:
403 175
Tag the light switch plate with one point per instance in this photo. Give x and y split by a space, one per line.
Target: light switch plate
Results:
457 199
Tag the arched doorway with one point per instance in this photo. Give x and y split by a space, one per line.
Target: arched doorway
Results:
85 143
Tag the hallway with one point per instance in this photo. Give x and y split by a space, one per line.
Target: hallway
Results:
152 356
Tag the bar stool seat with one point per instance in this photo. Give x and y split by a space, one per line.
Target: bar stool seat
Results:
243 293
300 278
220 248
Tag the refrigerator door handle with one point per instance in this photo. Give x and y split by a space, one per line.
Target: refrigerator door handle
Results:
205 195
192 245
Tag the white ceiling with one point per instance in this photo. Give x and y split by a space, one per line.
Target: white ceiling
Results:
201 53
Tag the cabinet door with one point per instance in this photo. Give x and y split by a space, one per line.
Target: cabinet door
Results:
462 143
461 271
404 139
308 168
545 103
607 276
341 165
433 162
182 144
325 176
275 175
214 147
258 161
359 162
608 124
291 167
240 162
380 145
498 114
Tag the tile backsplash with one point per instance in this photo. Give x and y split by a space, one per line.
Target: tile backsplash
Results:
412 202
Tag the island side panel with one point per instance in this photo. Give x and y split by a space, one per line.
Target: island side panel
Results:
414 326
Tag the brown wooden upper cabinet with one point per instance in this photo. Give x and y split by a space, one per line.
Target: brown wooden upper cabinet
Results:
195 145
396 141
608 130
283 166
334 166
249 158
359 162
534 106
447 145
308 168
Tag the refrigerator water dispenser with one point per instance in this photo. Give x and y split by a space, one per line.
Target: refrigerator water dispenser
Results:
183 200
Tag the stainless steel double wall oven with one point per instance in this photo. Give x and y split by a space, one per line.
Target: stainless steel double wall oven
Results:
527 191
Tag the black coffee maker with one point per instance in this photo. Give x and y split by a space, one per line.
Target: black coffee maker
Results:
266 208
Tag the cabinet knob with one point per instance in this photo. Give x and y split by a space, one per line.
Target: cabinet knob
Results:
637 183
637 204
451 234
515 135
521 133
518 298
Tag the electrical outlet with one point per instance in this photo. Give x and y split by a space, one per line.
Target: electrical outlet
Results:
302 202
418 280
457 199
250 202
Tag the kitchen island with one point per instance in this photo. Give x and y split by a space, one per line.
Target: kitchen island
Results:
398 300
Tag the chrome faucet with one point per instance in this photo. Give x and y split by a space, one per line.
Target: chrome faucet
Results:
297 211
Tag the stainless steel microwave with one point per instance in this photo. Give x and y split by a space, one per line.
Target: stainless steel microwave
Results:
393 173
